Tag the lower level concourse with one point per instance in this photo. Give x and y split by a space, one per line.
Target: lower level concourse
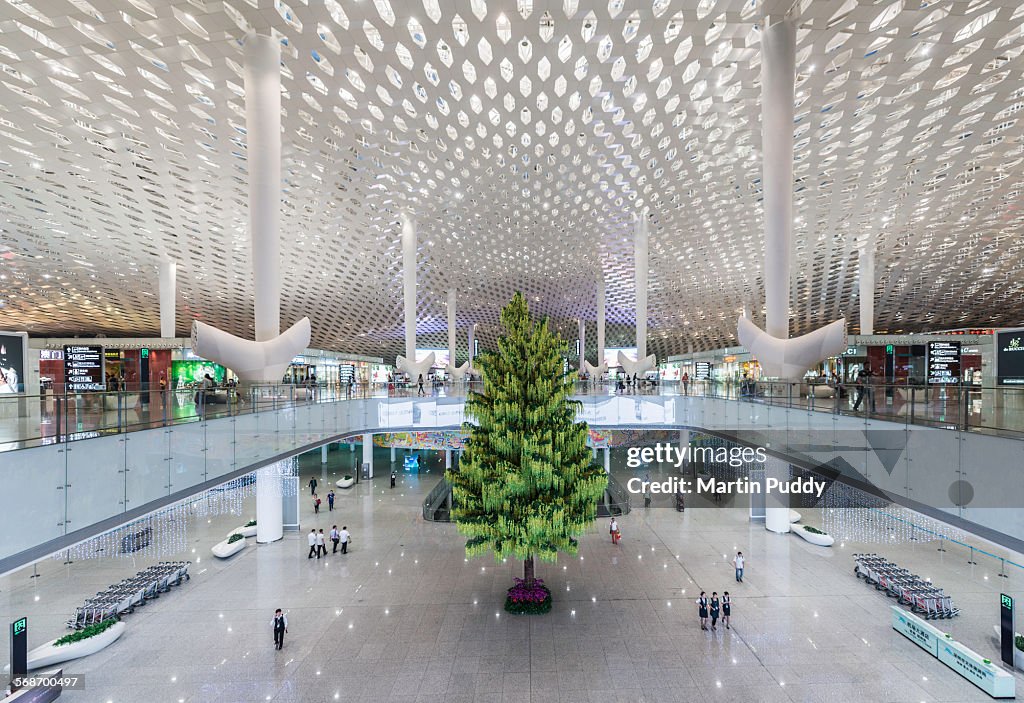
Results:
404 616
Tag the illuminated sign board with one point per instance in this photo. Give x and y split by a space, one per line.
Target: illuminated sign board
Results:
83 369
1010 358
943 362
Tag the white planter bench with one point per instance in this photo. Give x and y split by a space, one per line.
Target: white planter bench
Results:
813 537
48 654
1018 656
794 516
346 482
244 531
223 550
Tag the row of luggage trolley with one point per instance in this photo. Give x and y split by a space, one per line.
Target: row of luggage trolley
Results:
134 591
920 595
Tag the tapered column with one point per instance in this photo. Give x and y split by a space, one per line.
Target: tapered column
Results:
471 338
168 291
583 345
640 276
684 445
393 457
323 454
409 284
778 74
600 322
368 451
269 506
747 310
263 140
607 460
452 294
447 458
866 296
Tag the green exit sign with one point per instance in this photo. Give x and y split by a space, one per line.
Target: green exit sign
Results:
889 349
145 353
1006 601
20 626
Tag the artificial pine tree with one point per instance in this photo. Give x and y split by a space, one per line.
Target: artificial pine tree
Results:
525 486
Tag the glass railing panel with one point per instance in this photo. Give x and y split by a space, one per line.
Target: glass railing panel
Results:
187 450
96 480
34 486
220 447
147 461
989 490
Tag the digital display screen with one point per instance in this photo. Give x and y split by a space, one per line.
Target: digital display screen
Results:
187 373
611 355
346 374
943 362
83 369
12 364
440 357
1010 358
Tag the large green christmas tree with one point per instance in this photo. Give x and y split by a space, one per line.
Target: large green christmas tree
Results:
525 486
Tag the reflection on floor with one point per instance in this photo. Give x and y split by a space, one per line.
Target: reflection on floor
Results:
404 617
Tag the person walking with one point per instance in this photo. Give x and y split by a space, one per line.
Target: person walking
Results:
738 562
335 538
715 610
686 383
837 392
394 477
613 530
312 543
330 500
321 544
726 609
702 610
863 386
419 384
316 504
280 627
345 538
312 486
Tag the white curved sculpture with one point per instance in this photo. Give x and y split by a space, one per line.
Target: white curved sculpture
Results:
788 359
47 654
822 540
412 368
458 372
345 482
223 550
263 362
595 371
794 516
639 367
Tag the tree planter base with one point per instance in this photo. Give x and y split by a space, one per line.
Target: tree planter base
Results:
1018 655
528 606
346 482
244 531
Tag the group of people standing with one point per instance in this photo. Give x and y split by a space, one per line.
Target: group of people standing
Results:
714 607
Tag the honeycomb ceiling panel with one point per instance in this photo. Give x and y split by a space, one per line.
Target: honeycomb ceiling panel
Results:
525 137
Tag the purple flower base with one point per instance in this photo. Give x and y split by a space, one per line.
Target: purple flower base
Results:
526 599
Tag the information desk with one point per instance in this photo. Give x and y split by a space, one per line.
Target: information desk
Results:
972 666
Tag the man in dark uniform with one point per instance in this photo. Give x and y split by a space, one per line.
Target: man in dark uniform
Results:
280 627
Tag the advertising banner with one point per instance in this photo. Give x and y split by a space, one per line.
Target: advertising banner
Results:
12 363
1010 357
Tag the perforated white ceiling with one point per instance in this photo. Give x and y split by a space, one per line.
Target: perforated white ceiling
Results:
524 135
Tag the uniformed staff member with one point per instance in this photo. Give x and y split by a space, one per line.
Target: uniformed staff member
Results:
702 610
726 609
715 610
280 627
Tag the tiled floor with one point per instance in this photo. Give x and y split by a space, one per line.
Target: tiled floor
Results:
405 617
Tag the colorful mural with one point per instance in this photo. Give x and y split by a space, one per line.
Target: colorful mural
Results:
421 440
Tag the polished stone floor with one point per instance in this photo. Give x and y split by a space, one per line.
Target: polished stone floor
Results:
405 617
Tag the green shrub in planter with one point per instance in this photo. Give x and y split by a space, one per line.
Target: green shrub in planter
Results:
348 478
813 530
87 632
1019 641
234 538
251 523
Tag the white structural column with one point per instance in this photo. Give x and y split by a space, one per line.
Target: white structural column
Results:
583 346
778 75
269 506
263 125
472 342
640 252
866 296
393 457
684 443
447 458
409 284
607 460
323 454
168 291
747 311
776 504
368 451
452 295
600 322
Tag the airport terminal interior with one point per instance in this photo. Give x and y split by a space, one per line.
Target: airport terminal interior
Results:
546 351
